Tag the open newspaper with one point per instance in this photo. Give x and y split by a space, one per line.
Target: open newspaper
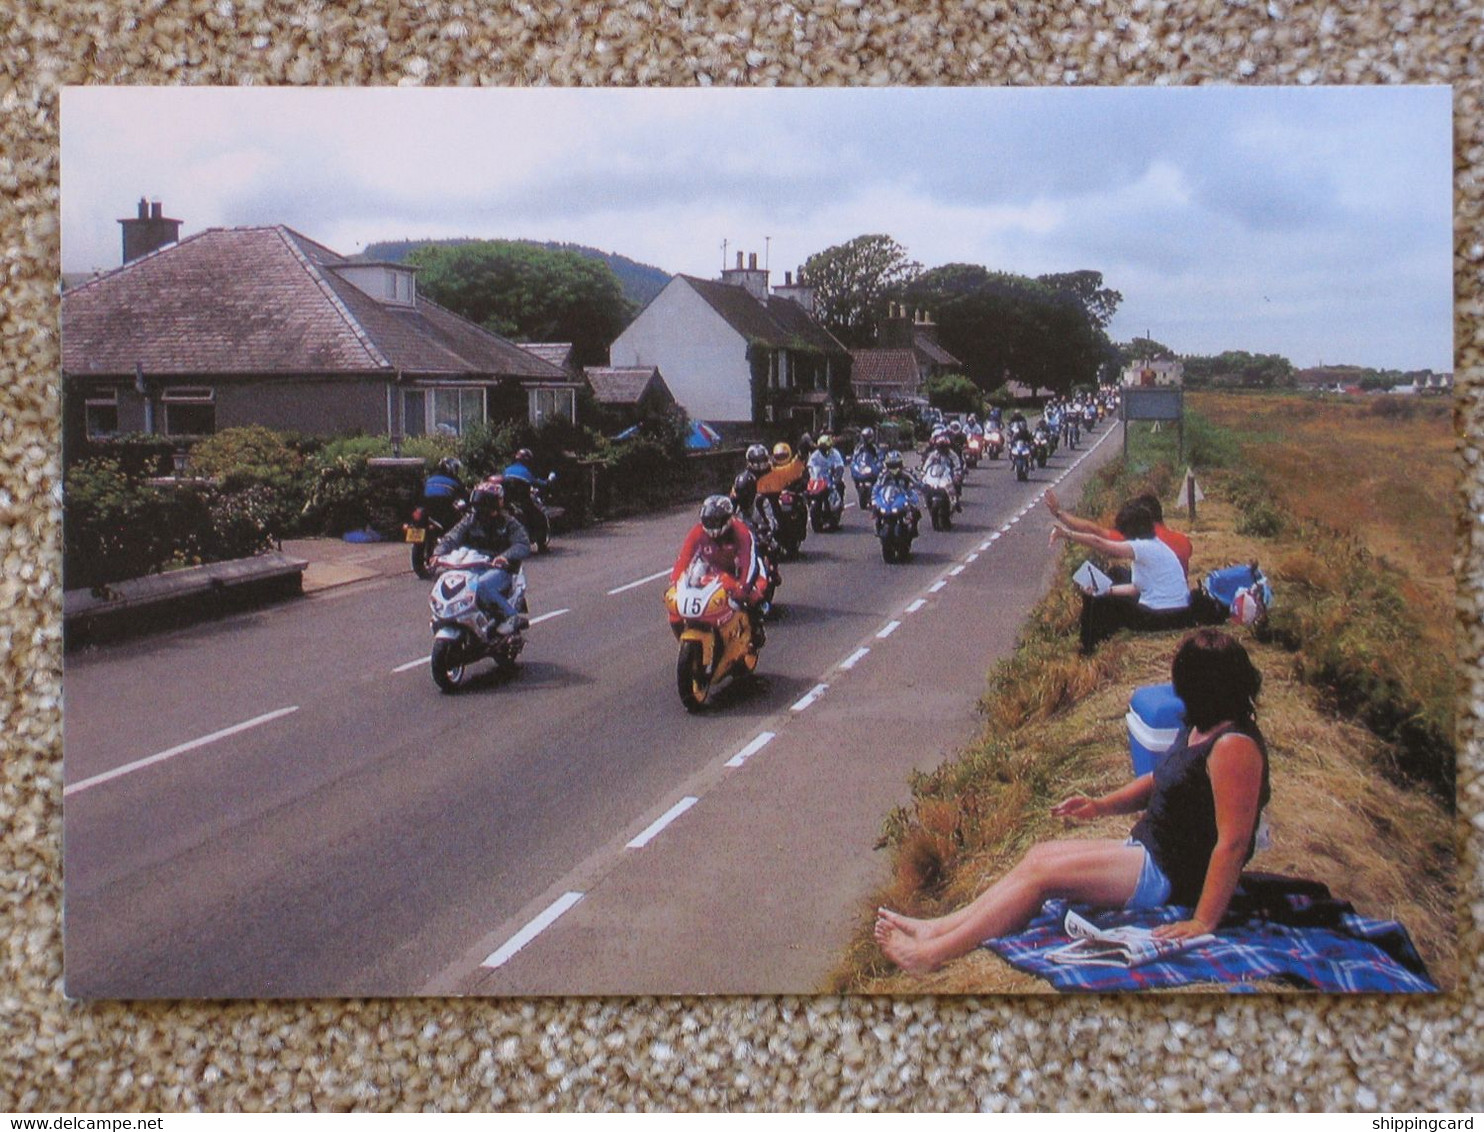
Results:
1117 947
1089 577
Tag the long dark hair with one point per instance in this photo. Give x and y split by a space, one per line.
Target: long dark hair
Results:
1216 679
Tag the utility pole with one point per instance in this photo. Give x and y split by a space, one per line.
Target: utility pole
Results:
767 251
723 255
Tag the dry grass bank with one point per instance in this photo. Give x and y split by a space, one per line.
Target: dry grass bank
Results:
1053 721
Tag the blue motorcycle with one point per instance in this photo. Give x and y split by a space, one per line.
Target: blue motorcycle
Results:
865 470
898 510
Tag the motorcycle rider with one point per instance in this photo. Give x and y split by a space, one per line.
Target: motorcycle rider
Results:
442 490
827 463
868 443
747 505
894 472
490 527
726 545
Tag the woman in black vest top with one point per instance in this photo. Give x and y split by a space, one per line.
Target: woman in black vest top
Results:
1201 807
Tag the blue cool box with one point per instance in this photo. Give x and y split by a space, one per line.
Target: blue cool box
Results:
1155 716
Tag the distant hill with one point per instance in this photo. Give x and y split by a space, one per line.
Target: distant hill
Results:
640 281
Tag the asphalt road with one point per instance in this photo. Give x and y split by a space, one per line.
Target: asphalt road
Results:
361 834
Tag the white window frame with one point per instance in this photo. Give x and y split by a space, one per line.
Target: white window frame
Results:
187 395
563 399
468 413
105 398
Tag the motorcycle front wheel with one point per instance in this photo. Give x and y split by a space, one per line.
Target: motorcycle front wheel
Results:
448 665
691 678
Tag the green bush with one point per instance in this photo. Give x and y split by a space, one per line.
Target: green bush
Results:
955 393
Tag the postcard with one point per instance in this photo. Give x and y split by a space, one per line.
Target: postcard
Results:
488 574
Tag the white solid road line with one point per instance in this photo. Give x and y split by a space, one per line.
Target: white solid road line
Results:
888 629
507 950
809 697
130 768
916 605
640 582
854 658
669 815
751 749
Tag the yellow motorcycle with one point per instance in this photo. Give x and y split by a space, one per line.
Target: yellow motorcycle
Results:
714 631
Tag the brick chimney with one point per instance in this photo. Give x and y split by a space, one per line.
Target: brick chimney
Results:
895 331
799 292
751 278
149 231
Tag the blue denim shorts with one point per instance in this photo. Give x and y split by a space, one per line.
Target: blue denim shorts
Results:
1153 888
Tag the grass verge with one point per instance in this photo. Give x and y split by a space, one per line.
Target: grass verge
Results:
1358 700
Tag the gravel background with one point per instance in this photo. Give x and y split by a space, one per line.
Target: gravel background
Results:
1189 1052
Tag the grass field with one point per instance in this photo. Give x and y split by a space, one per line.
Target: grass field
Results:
1350 509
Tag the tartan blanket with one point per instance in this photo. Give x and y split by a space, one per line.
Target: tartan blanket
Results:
1324 946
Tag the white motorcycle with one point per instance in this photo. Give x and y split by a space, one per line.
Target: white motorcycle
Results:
463 633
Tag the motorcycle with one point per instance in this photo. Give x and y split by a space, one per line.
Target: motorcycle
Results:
431 520
897 515
1071 430
536 517
865 470
994 442
1020 458
937 490
792 523
463 633
714 631
974 449
1041 446
826 504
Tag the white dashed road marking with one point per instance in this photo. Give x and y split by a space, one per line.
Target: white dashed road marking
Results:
916 605
809 697
890 628
854 658
140 764
640 582
507 950
751 749
665 819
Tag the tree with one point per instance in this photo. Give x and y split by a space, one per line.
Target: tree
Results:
1100 302
1239 368
1010 327
954 393
853 282
528 293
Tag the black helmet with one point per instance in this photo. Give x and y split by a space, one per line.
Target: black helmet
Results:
488 497
805 442
524 456
716 514
449 466
894 460
868 435
757 458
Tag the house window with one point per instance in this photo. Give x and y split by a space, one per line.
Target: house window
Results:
103 413
553 403
455 411
189 411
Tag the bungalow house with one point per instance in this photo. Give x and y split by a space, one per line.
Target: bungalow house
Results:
629 394
262 325
738 357
906 355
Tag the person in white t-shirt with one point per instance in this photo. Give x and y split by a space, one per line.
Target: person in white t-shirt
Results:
1157 597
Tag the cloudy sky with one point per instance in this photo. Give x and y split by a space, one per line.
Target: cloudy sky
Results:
1311 222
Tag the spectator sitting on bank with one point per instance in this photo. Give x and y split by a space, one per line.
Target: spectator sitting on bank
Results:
1157 596
1199 826
1176 541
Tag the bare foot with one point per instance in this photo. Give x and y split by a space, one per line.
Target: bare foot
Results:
906 952
913 929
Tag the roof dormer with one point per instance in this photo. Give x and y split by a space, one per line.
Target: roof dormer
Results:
392 283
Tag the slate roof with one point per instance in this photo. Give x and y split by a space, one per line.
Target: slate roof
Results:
558 354
779 322
264 301
934 352
884 367
620 385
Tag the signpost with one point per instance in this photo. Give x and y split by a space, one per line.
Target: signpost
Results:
1154 403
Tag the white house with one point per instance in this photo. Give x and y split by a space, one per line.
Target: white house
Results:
1151 371
735 355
